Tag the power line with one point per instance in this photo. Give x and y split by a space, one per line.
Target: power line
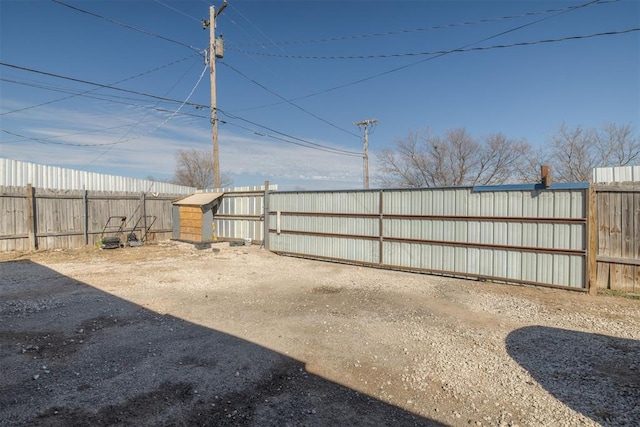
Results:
288 101
113 21
415 30
262 65
105 97
253 25
45 73
157 109
314 144
45 141
263 45
149 112
302 142
260 61
93 90
48 140
271 42
177 10
402 67
276 94
286 140
443 52
231 116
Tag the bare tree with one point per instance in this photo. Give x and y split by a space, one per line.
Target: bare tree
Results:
194 168
573 154
427 160
422 159
528 168
617 145
576 151
461 156
501 159
404 166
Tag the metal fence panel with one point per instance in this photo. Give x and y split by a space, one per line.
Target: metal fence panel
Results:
346 202
18 173
240 214
523 233
616 174
326 225
323 247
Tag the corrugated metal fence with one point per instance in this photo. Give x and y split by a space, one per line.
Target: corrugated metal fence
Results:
616 174
241 213
520 234
15 173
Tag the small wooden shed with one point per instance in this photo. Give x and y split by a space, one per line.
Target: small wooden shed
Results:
193 217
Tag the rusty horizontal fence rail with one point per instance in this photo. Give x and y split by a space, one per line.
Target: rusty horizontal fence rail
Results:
437 242
438 217
244 217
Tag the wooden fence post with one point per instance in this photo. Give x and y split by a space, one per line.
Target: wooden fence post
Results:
592 241
143 200
265 216
31 218
85 216
381 227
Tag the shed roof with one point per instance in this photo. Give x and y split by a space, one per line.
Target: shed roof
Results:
198 199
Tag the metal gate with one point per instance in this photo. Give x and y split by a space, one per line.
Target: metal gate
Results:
517 234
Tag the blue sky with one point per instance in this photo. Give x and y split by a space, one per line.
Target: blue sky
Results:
525 92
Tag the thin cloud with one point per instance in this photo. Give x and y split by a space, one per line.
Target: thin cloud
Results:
151 151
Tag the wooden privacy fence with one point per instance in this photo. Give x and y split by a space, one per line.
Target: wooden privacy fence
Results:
519 234
53 219
618 257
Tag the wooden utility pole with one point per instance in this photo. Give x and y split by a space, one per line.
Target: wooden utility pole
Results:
216 50
365 168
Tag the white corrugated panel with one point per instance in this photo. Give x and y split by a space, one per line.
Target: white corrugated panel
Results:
616 174
355 250
239 229
349 202
245 189
16 173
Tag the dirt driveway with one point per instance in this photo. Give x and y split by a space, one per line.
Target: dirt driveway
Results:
170 335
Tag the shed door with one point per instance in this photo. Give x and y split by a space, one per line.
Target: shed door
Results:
191 223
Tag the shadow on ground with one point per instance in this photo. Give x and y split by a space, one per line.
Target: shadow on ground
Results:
73 355
575 367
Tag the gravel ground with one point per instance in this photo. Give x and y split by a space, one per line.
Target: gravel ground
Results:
171 335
